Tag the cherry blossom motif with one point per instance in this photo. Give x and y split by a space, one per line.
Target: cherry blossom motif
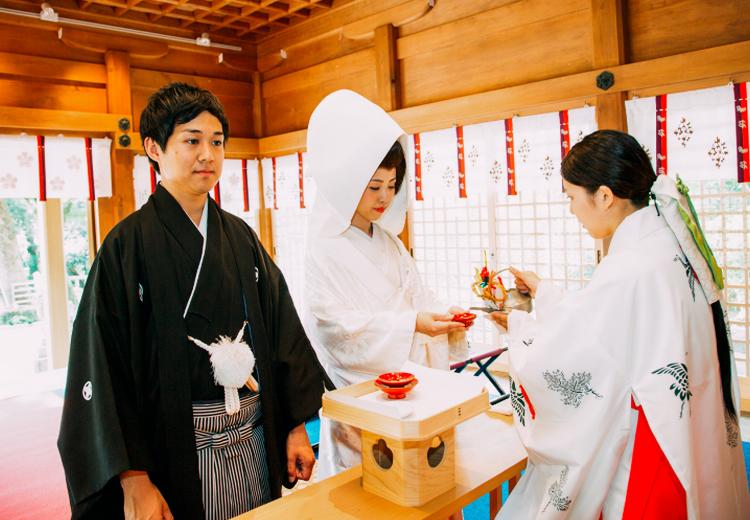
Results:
473 155
73 162
718 152
233 179
684 132
57 184
429 160
547 168
269 195
496 172
8 182
648 152
524 150
449 176
579 136
24 159
227 198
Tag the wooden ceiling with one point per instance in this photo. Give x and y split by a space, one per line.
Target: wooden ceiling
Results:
229 21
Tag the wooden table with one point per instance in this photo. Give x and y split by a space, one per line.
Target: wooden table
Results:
488 453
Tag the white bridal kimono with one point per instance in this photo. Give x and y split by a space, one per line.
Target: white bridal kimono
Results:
362 293
642 329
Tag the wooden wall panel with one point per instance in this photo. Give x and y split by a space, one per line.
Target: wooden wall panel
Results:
238 67
655 29
70 72
236 96
19 37
289 100
39 94
490 59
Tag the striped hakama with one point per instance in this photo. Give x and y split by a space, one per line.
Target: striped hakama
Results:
231 457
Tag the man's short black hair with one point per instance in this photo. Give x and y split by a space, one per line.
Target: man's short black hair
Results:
176 104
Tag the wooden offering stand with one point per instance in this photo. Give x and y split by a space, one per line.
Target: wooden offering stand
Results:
408 460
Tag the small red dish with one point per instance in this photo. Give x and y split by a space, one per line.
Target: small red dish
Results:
395 379
467 318
396 392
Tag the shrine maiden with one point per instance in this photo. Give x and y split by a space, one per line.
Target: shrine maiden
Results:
624 392
367 310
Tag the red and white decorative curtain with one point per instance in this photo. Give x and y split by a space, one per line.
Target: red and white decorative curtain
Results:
698 135
286 183
503 157
144 180
237 191
55 167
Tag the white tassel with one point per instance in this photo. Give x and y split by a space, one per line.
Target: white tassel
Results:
231 400
232 363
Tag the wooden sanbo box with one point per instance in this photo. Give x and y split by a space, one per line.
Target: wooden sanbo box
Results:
407 461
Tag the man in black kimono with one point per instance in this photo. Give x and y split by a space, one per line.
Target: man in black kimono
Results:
128 435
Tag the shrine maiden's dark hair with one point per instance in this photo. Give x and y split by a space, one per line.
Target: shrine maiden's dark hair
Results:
176 104
395 159
613 159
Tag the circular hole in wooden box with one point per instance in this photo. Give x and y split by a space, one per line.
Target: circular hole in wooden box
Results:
382 454
436 452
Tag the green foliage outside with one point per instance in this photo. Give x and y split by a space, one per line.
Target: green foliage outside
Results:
21 242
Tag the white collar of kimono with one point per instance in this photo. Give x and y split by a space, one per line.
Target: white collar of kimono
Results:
203 230
347 138
638 224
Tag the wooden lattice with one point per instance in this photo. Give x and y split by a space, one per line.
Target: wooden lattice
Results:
233 19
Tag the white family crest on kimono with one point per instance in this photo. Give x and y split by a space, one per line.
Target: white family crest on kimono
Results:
232 362
639 330
362 293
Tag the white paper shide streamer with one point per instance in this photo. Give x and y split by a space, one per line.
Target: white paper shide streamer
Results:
233 363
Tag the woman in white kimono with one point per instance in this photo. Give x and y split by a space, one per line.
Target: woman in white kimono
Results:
624 392
366 309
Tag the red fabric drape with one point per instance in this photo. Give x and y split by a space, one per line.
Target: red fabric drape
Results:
743 143
417 168
654 491
42 168
661 135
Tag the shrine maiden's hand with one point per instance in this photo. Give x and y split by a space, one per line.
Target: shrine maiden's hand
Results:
435 324
300 458
526 281
142 499
501 318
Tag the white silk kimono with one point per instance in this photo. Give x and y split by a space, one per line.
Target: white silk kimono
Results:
642 329
362 294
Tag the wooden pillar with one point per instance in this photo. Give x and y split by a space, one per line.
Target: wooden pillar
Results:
265 217
112 210
608 48
389 87
258 118
386 65
55 301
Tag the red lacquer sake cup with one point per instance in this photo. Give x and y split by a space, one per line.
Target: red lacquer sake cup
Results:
396 392
466 318
395 379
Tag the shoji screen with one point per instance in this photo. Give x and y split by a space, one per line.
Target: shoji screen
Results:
466 200
291 201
